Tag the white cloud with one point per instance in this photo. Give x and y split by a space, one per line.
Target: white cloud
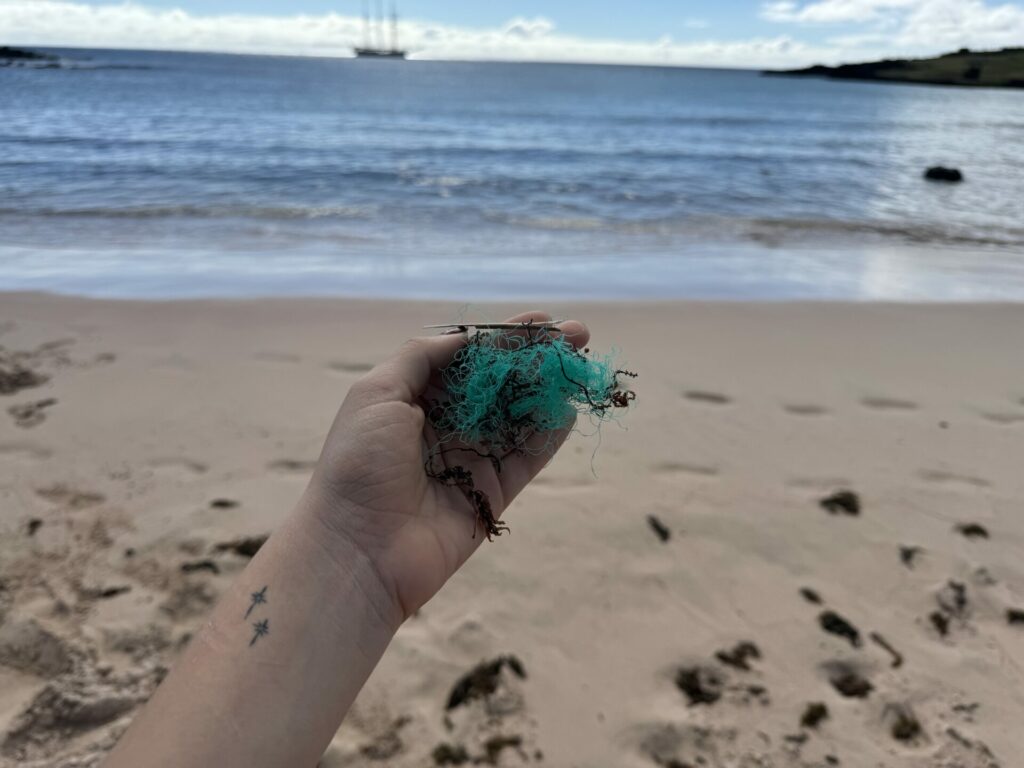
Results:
909 26
831 11
131 25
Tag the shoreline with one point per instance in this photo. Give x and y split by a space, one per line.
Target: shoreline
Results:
735 272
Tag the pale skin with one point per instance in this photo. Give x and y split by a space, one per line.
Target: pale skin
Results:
275 669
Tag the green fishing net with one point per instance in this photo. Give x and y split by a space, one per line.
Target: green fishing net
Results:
510 393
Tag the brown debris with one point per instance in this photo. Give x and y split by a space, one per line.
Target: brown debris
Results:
814 714
841 502
740 655
482 681
702 685
244 547
660 529
972 530
832 622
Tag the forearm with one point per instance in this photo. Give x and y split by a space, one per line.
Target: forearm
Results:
272 673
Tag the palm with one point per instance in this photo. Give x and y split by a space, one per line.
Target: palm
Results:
419 530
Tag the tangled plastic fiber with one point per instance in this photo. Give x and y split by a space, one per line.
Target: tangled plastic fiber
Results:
505 388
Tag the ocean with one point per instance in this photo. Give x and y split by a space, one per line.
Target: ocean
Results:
146 174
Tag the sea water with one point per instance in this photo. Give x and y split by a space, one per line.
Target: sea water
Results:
170 174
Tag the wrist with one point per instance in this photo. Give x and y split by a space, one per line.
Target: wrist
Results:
329 524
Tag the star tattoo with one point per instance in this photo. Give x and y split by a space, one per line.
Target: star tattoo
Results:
261 629
258 598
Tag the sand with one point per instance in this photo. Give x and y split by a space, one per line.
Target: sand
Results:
678 598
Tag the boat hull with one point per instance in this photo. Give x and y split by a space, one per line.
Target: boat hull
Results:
373 53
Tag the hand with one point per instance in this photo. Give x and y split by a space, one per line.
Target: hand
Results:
371 487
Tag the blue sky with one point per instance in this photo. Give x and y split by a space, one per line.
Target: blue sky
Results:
637 19
732 33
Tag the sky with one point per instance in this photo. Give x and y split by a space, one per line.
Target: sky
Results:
717 33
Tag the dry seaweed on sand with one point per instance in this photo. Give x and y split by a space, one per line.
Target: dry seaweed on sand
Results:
510 392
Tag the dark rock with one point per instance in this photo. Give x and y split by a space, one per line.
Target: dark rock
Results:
941 173
223 504
20 54
835 624
34 525
842 502
813 715
1014 616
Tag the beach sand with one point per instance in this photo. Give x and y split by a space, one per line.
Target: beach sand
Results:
166 435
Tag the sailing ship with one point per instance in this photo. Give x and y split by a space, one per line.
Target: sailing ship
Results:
374 45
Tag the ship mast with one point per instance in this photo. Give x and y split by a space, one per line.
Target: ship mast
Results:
366 23
394 27
381 42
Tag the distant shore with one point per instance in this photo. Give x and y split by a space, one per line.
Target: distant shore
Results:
989 69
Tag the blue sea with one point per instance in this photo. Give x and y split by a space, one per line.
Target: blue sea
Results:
142 174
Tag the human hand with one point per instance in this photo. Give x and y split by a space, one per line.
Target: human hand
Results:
370 485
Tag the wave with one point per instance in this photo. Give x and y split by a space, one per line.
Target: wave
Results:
775 231
287 212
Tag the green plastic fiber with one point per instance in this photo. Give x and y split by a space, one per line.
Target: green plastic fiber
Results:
504 388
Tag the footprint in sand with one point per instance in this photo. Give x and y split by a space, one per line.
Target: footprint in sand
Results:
277 357
706 397
292 466
888 404
29 415
348 368
952 478
818 483
72 498
179 465
805 409
24 452
562 484
1004 419
682 468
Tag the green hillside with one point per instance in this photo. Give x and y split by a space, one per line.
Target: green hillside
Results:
1001 69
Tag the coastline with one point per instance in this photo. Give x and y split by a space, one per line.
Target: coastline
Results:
182 426
764 267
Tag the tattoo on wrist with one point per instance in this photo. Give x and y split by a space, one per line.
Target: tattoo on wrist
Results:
258 598
260 628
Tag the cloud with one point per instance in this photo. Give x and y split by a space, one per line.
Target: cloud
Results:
131 25
831 11
909 26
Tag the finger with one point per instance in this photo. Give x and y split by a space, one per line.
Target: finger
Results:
518 470
406 375
575 332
